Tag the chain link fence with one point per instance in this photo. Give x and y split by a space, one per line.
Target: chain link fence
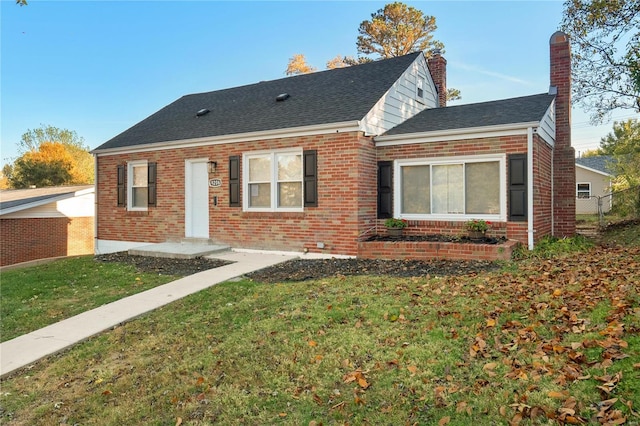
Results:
609 208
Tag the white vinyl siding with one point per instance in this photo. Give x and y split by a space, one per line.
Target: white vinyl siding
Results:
400 102
451 188
547 128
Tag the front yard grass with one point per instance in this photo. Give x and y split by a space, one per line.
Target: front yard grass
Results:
545 341
34 297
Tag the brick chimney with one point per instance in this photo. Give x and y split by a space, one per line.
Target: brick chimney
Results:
564 175
438 69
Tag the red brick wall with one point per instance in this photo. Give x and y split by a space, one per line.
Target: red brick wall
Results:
497 145
346 198
564 186
428 250
347 195
542 194
29 239
438 68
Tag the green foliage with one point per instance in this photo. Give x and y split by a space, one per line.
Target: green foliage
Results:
51 157
392 222
605 41
550 247
625 138
32 171
477 225
624 145
32 139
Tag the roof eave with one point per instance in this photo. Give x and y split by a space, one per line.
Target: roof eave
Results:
594 170
339 127
53 199
456 134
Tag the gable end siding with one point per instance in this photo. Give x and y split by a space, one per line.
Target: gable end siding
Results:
399 103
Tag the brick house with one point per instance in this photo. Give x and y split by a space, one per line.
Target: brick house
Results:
41 223
316 162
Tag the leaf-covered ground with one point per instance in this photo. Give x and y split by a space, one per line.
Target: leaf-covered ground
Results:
541 342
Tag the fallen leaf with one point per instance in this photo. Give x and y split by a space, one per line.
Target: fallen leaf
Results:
557 395
444 421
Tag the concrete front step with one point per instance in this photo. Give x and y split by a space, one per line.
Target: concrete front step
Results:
187 249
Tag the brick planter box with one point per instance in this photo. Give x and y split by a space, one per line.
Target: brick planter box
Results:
428 250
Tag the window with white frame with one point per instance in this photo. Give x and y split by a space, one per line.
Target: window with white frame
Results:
583 190
138 196
453 188
420 82
273 181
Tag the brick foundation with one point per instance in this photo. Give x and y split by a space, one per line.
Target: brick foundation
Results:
429 250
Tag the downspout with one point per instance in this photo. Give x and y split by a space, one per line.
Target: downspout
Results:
530 229
95 204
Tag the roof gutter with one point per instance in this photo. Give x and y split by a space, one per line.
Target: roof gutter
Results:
456 134
340 127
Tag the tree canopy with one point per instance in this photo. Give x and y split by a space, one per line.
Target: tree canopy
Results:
605 43
624 144
49 157
394 30
298 65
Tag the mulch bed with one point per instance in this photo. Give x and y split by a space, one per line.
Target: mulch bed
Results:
306 269
163 265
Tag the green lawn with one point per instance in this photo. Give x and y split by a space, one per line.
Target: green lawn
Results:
545 341
34 297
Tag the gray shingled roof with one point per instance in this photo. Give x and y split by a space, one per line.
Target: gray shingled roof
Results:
507 111
11 198
332 96
601 163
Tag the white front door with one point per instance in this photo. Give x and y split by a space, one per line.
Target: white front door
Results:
196 199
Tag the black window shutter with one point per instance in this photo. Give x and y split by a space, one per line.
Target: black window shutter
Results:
121 186
310 161
385 189
151 183
234 181
518 187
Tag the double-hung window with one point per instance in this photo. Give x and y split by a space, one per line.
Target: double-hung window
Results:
273 181
138 185
583 190
451 188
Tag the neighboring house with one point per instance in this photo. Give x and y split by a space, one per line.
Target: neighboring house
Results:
593 181
41 223
316 162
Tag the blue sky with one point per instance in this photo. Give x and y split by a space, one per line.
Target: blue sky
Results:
99 67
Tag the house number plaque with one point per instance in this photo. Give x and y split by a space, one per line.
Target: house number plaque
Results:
215 183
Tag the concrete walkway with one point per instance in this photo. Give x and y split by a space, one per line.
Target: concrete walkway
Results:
29 348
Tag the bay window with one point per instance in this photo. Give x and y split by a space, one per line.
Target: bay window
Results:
451 188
